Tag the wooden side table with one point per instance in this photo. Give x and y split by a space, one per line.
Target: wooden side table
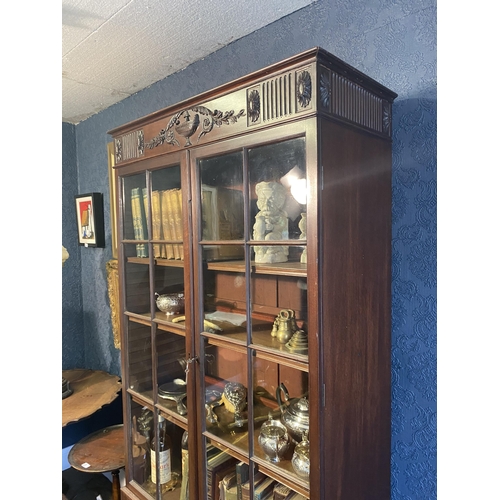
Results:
92 389
101 451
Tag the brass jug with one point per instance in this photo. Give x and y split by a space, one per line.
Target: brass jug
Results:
285 325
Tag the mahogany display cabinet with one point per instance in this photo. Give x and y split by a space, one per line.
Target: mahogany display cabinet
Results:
254 227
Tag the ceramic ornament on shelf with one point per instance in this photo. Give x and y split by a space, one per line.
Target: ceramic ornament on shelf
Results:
271 222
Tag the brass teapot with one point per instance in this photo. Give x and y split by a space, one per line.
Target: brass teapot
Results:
294 413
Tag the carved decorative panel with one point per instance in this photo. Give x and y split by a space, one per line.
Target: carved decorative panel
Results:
129 146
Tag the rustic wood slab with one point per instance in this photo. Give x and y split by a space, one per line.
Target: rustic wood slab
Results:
92 389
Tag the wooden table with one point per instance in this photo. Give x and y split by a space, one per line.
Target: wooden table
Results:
101 451
92 389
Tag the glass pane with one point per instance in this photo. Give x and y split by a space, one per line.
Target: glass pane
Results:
167 214
277 197
281 420
220 473
279 306
171 358
135 210
140 366
137 297
142 424
226 392
222 199
224 292
169 291
165 444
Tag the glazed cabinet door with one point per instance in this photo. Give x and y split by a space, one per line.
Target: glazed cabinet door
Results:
155 273
251 314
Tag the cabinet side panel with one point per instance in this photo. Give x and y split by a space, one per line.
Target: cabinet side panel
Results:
355 263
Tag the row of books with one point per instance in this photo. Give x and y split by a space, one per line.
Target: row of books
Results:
166 222
228 479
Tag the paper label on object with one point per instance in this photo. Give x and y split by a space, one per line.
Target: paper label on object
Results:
165 467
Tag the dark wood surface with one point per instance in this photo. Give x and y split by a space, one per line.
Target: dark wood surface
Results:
92 389
101 451
347 307
355 214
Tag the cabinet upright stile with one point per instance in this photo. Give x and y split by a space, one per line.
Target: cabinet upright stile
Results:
255 284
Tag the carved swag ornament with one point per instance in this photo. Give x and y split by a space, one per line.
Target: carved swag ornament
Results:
186 122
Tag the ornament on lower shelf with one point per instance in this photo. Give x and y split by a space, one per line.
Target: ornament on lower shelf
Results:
298 342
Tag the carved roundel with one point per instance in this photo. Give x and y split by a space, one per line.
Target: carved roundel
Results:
325 90
304 88
254 105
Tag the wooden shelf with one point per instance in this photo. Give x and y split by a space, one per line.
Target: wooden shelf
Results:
280 269
158 262
265 347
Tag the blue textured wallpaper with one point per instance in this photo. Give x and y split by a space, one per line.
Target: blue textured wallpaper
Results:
72 316
393 41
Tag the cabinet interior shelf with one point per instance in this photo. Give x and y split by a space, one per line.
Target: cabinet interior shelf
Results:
278 269
166 406
158 262
235 266
265 347
160 319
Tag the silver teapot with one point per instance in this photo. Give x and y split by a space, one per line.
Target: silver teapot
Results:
274 439
300 458
294 413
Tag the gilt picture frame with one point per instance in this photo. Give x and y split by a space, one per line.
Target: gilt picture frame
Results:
112 200
90 219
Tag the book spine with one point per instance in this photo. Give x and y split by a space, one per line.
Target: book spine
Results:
241 477
167 231
156 215
144 219
135 203
178 222
169 195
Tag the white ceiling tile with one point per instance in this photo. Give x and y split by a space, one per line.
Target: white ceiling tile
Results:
115 48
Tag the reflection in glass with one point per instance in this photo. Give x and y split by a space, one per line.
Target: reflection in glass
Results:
140 363
278 190
137 282
222 199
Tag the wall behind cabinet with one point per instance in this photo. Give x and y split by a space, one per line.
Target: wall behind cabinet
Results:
393 42
73 336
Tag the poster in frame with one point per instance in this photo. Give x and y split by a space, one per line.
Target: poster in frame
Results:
90 219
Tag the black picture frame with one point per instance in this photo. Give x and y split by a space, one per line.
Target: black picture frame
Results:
89 210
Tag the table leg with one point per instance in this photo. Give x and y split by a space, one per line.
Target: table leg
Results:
116 484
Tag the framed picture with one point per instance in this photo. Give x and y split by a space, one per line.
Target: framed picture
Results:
90 219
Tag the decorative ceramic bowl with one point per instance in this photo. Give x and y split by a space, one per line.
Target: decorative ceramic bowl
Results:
170 303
